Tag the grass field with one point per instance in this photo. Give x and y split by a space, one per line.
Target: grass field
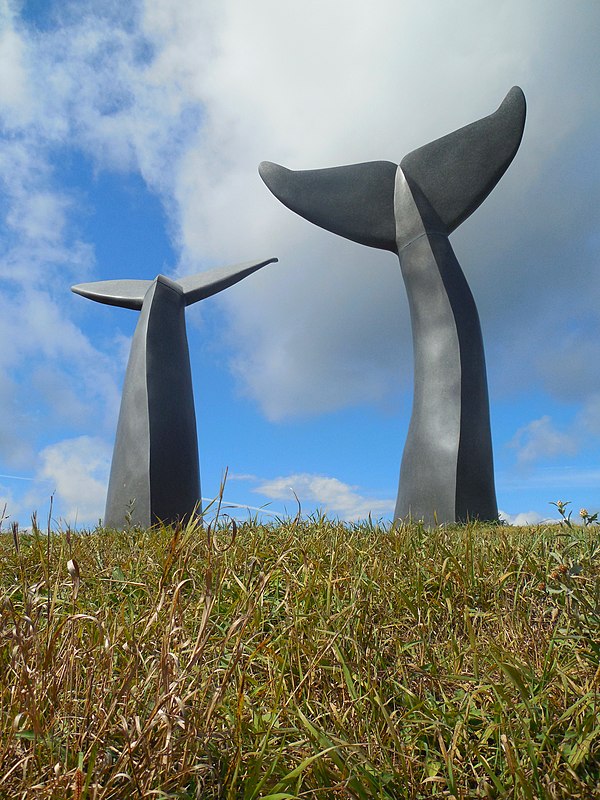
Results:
303 659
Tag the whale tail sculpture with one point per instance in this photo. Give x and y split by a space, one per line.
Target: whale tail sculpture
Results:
410 209
155 473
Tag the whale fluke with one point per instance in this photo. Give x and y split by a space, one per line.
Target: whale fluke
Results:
155 472
457 172
131 293
454 174
447 467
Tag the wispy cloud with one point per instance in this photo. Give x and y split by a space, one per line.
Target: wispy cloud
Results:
77 470
540 439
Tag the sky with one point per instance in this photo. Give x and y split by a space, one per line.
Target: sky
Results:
130 135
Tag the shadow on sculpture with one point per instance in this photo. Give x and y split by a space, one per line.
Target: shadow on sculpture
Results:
447 467
155 473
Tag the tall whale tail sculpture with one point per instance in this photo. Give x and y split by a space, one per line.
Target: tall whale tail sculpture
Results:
410 209
155 473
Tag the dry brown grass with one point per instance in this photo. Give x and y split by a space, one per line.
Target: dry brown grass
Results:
303 659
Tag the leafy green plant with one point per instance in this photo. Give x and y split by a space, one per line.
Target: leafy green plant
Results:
588 519
562 510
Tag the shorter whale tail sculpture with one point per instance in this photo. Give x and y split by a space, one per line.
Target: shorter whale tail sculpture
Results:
410 209
155 473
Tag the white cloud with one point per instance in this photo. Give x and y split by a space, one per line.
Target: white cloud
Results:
330 495
540 439
77 469
14 84
50 375
193 96
524 518
315 87
241 476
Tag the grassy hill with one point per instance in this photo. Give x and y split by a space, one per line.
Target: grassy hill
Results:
303 659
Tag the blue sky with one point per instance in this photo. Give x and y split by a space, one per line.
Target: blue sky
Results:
130 135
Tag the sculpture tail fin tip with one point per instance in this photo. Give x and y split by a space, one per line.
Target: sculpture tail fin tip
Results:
122 293
205 284
457 172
